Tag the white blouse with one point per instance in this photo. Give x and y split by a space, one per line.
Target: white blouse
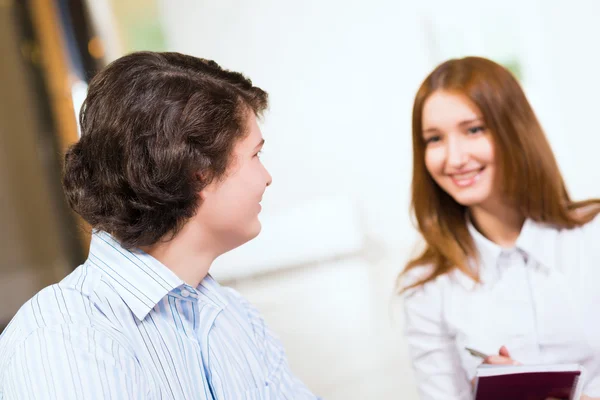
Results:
541 299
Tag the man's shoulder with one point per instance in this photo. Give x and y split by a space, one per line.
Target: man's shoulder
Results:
54 305
60 317
50 309
51 328
79 301
240 302
233 295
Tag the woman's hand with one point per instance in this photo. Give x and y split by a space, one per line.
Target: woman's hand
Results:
503 358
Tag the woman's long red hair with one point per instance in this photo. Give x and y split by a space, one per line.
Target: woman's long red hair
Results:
528 173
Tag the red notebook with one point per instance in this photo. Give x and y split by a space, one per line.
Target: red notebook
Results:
528 382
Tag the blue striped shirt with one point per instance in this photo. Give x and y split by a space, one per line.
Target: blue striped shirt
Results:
124 326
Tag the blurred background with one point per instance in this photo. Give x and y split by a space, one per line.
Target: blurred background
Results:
341 75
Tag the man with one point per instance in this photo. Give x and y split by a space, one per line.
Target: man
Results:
167 172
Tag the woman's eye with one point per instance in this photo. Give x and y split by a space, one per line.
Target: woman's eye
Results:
432 139
476 129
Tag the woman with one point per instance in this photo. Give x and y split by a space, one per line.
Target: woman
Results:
511 263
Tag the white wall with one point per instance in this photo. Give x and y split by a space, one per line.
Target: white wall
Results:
572 34
342 76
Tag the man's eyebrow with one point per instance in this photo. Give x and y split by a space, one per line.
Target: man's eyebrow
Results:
262 142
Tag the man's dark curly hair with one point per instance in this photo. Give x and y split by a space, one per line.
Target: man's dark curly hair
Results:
156 129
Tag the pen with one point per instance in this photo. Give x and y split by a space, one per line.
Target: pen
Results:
476 353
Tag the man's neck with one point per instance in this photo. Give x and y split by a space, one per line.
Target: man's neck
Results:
188 255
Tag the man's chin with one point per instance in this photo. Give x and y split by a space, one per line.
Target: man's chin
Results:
253 231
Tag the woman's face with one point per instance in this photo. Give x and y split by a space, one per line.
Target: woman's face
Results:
459 149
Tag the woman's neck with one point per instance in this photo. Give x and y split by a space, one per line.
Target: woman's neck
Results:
500 224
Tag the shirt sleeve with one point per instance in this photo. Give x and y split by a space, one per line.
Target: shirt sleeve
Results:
282 382
64 364
592 233
436 364
592 387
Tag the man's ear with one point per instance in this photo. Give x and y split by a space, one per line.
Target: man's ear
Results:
202 194
207 188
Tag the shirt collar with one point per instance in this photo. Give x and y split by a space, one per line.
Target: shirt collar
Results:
536 240
140 279
211 292
540 242
489 252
